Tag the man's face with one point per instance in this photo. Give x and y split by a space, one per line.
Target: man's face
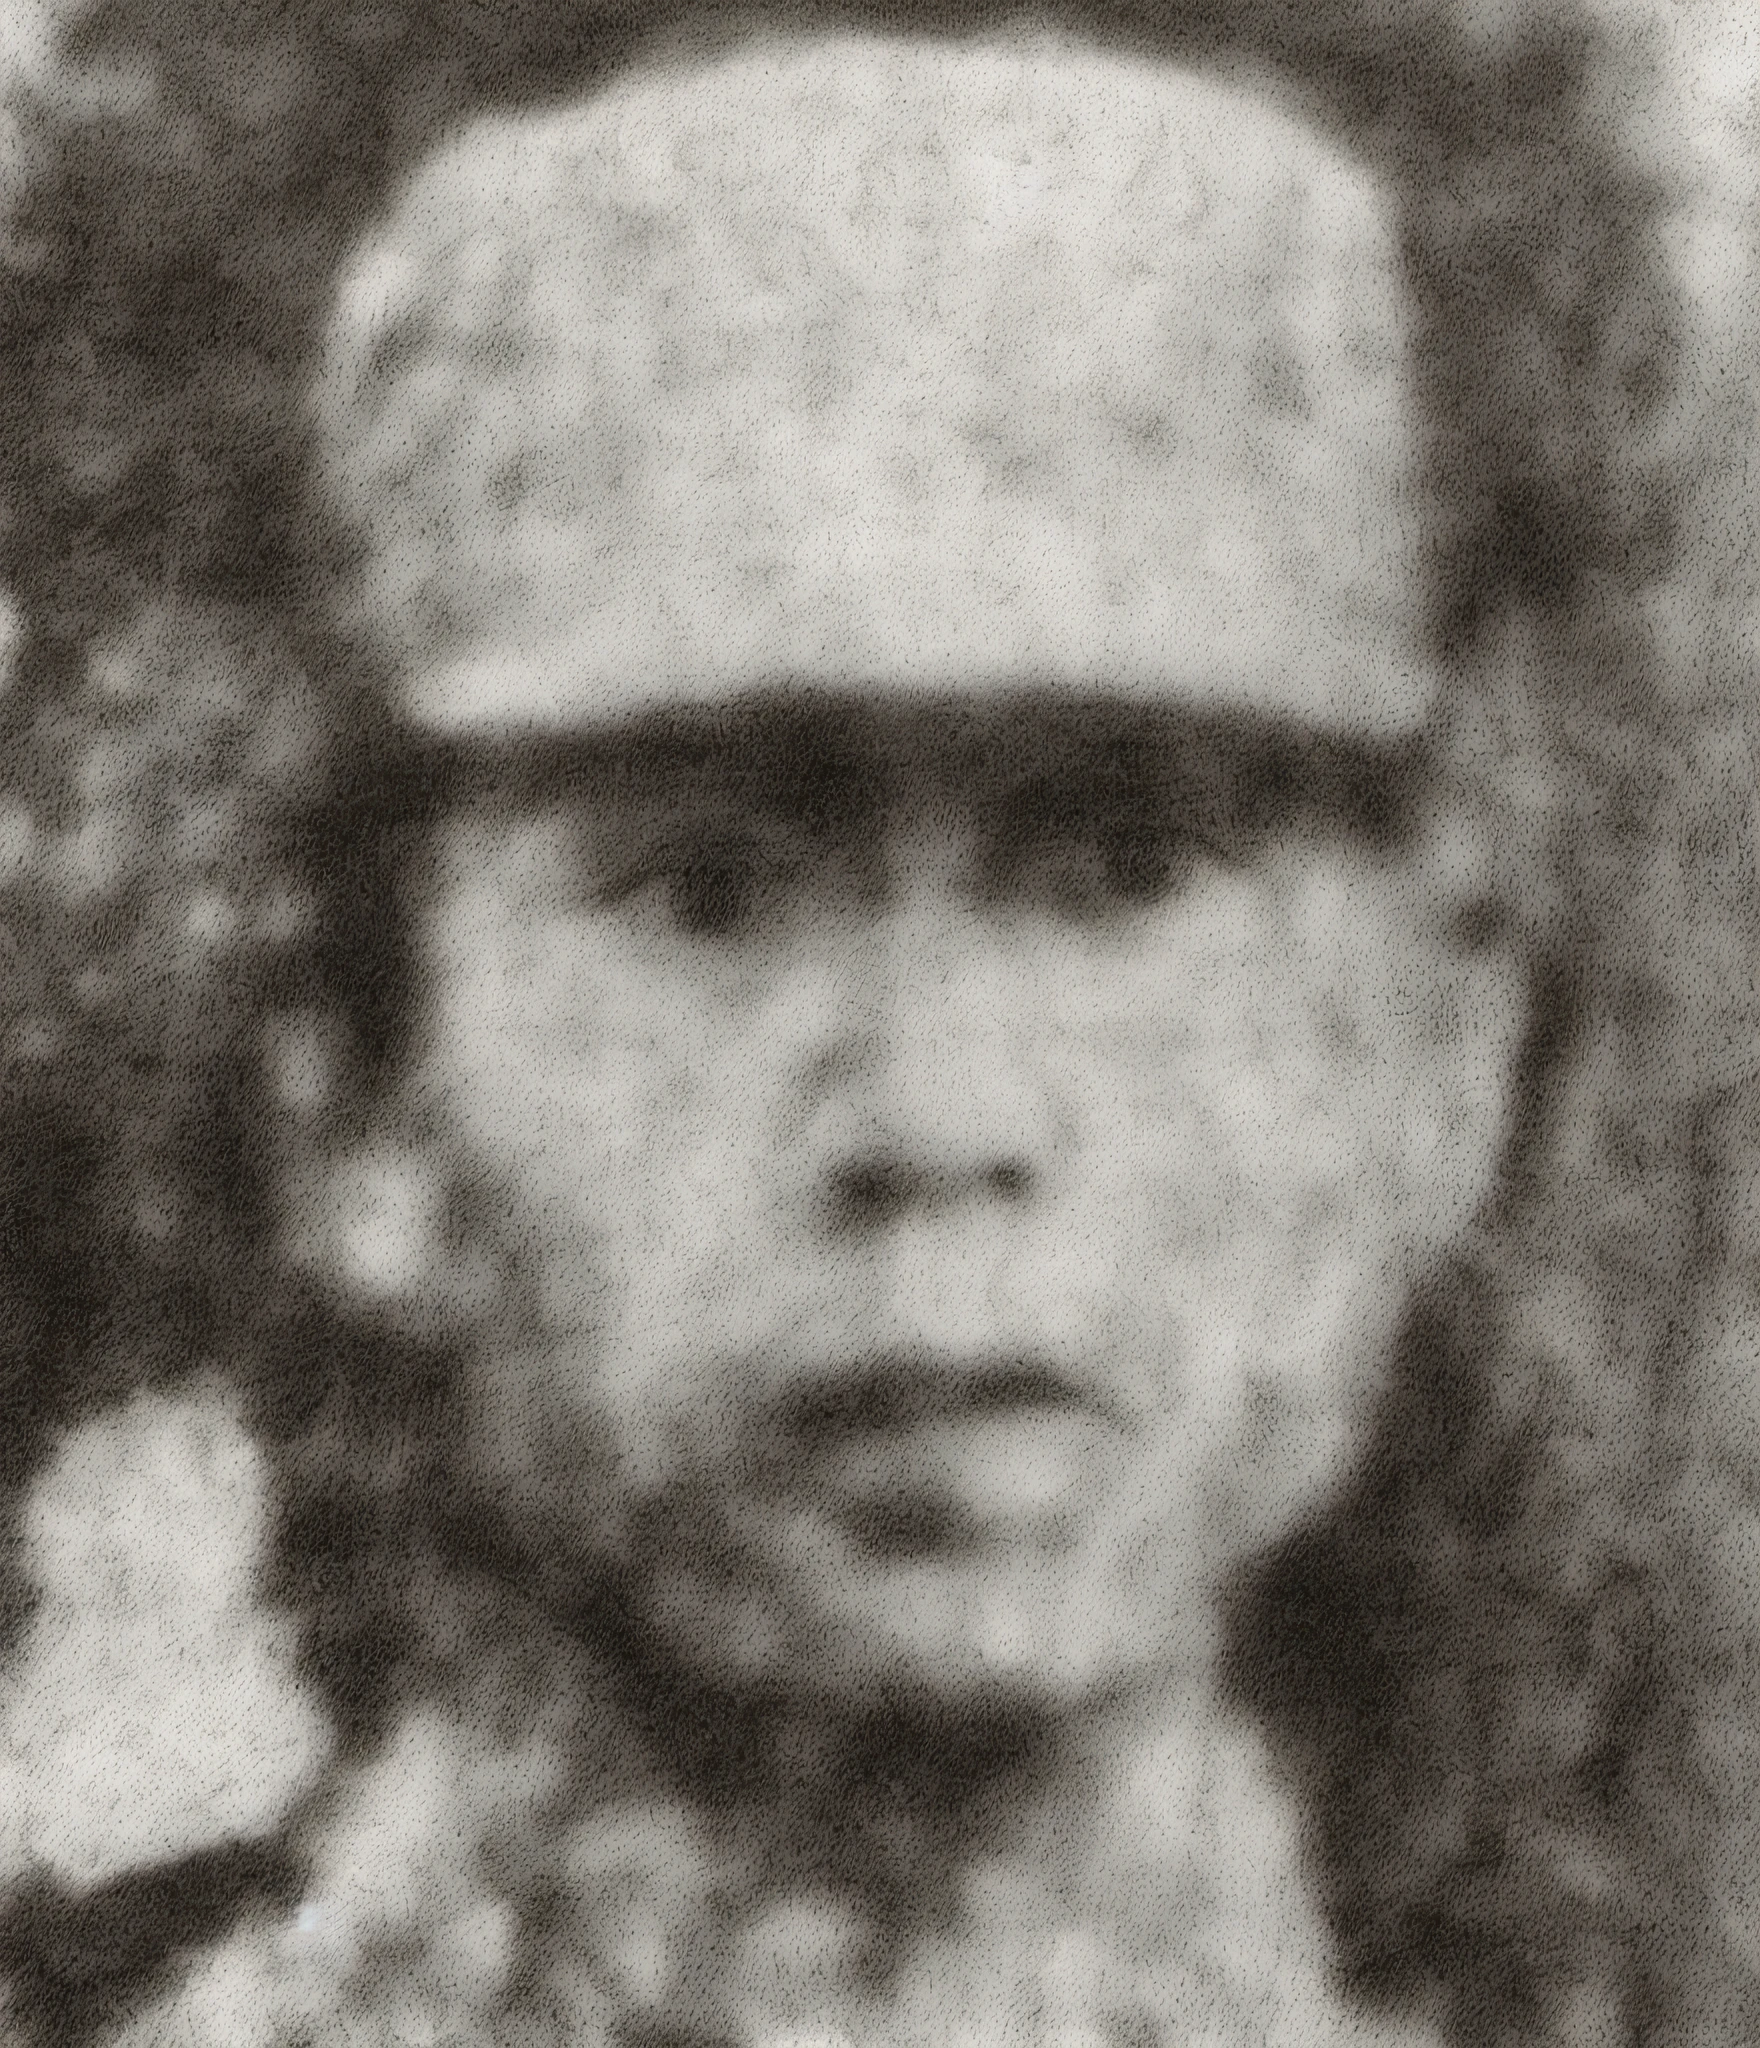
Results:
964 1168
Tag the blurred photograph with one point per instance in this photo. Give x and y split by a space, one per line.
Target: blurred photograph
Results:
879 960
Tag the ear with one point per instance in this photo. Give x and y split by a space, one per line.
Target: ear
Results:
1462 1126
1467 994
1429 999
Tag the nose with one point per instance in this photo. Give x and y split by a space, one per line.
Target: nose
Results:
940 1111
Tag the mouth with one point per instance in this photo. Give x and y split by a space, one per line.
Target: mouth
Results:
895 1395
915 1458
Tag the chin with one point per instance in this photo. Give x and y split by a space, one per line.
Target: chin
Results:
936 1632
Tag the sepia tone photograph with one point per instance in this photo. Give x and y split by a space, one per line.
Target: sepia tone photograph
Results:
879 1033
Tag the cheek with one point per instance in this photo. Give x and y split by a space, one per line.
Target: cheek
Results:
1303 1107
562 1039
619 1096
1215 1157
1319 1117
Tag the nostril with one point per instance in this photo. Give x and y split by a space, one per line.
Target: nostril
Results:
870 1194
881 1191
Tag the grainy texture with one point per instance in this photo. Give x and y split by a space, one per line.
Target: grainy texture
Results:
1537 1754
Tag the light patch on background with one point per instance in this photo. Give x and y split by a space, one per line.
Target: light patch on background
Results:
152 1707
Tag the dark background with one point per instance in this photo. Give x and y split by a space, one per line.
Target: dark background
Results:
1520 1661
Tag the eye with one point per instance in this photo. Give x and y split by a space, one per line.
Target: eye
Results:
1142 865
1089 863
715 891
708 889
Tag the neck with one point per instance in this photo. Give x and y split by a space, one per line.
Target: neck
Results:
1135 1845
886 1800
889 1877
1136 1860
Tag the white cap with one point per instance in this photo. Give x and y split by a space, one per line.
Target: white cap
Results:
869 361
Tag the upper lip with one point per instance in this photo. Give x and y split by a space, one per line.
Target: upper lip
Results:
897 1392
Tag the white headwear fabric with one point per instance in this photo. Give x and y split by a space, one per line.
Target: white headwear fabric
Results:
867 360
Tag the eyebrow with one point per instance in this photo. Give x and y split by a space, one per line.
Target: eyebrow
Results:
841 762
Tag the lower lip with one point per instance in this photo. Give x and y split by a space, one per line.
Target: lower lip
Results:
962 1480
